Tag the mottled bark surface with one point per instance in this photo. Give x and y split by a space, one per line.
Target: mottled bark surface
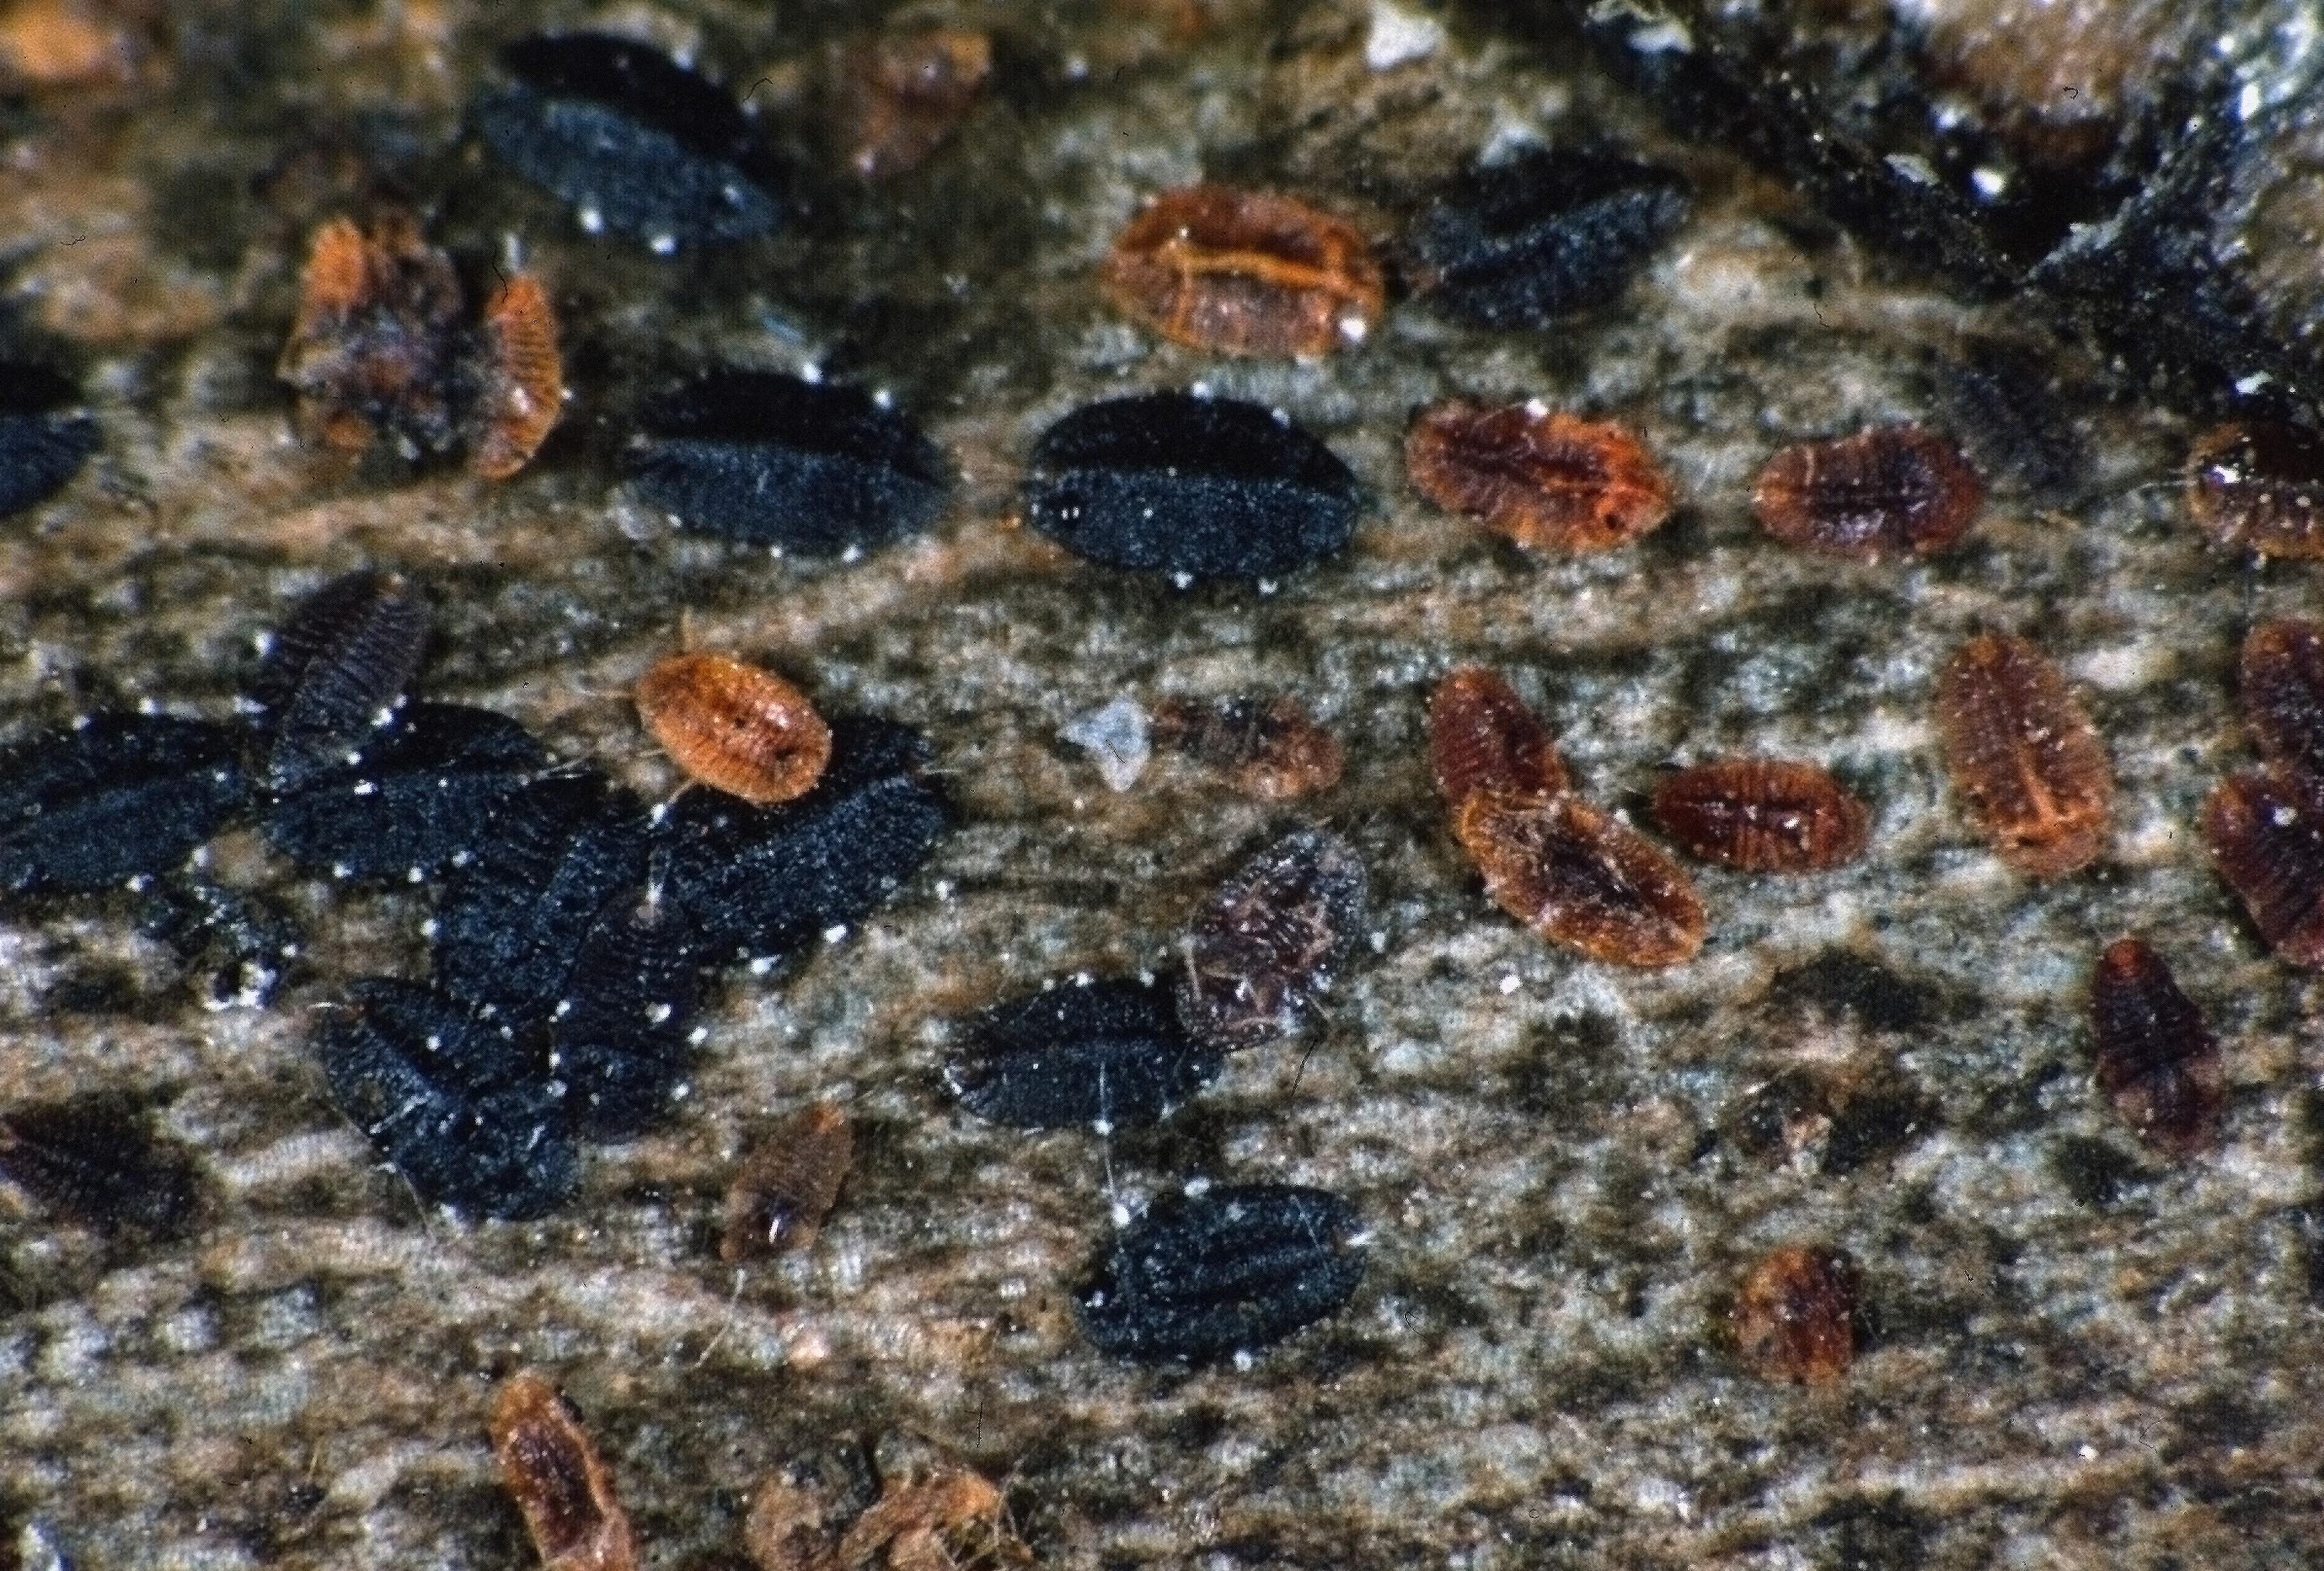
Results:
2077 1353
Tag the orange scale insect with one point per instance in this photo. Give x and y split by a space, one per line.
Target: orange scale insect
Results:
734 727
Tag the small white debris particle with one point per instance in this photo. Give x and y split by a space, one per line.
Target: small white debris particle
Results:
1397 37
834 933
1115 737
1990 182
1511 983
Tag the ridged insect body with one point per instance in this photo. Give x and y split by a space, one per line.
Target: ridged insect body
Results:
621 1032
2280 684
1762 815
1796 1315
455 1104
1548 480
1483 736
1264 947
115 796
551 1469
735 727
2157 1060
2265 832
1204 1277
2024 756
45 438
775 460
635 142
1198 487
1893 490
760 882
1581 878
417 798
788 1184
2259 487
336 672
1269 748
1546 234
1109 1054
92 1160
1237 272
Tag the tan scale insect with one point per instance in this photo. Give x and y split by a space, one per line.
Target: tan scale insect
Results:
734 727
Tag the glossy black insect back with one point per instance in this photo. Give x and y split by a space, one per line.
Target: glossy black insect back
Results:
1109 1054
336 671
456 1104
44 438
1544 236
1207 1275
116 797
622 1032
635 142
93 1160
760 882
1196 487
775 460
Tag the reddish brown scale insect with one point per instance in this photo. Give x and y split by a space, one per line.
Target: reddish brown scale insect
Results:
1264 946
523 379
2260 488
1795 1315
946 1523
734 727
1581 878
1888 491
1480 736
1762 815
377 336
2024 756
900 96
2157 1060
558 1481
2280 682
1268 747
1245 273
1551 481
785 1530
788 1185
2265 832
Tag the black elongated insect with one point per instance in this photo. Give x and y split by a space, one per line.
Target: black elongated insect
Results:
1196 487
1110 1054
775 460
634 142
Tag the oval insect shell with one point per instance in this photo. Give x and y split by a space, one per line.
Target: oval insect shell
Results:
2280 684
734 727
1579 877
1795 1315
1762 815
2024 756
1245 273
1549 481
1888 490
2259 488
1480 734
2265 832
2157 1060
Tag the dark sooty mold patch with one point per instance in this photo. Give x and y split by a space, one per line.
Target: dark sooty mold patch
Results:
452 1102
115 797
1202 1277
633 141
510 927
43 438
94 1161
336 671
1202 487
1108 1054
1543 235
762 881
774 460
420 798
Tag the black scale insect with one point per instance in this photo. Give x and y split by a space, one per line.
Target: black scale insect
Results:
459 1105
1544 236
1205 1276
94 1160
775 460
634 142
115 798
337 671
44 437
1107 1054
1196 487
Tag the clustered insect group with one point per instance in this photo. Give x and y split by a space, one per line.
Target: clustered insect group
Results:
573 923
